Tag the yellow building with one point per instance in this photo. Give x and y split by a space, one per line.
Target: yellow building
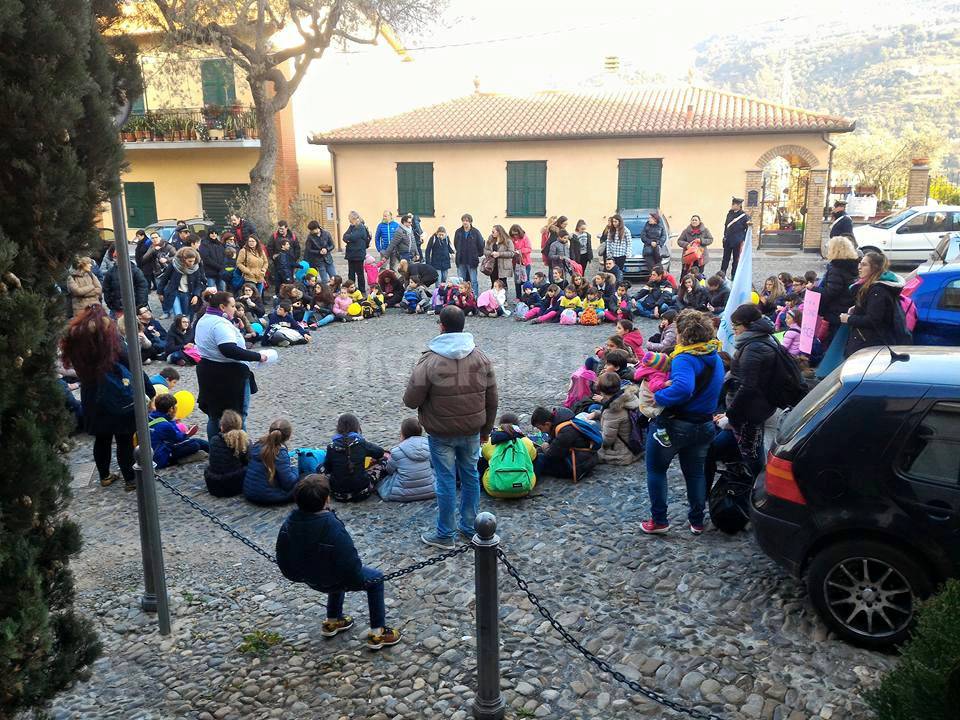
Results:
508 159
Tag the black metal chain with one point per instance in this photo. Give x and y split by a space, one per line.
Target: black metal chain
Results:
260 551
600 663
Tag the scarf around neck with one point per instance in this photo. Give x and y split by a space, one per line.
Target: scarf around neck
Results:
701 348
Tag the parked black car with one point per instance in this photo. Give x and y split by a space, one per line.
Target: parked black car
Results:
861 492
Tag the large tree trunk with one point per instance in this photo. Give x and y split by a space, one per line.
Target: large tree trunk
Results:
262 174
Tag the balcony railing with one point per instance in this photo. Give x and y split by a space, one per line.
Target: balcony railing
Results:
207 124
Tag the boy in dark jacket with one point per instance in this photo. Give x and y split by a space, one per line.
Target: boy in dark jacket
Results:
283 263
280 324
111 287
314 547
569 453
346 463
170 444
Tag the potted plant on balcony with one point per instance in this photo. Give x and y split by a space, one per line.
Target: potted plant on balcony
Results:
254 129
140 130
213 117
230 125
129 131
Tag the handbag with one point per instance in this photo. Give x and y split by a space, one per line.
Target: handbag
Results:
488 264
519 274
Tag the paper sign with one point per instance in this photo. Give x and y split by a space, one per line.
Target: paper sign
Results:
811 308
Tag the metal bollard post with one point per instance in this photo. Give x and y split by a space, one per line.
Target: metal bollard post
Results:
148 601
488 703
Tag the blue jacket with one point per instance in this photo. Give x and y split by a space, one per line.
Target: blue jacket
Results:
287 321
164 434
384 234
316 549
683 375
255 486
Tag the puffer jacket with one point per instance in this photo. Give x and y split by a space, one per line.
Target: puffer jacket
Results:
84 289
400 245
615 426
256 487
453 388
668 340
878 318
753 367
836 296
356 240
411 474
225 469
316 549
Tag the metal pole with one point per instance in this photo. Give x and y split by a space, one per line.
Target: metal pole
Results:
488 703
146 489
148 601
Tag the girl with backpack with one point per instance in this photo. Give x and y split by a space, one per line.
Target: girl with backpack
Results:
351 479
877 317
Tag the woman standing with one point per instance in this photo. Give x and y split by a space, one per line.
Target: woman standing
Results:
252 263
83 286
694 241
654 238
836 293
438 252
356 240
876 318
581 246
616 239
183 282
523 249
690 400
92 347
225 379
499 247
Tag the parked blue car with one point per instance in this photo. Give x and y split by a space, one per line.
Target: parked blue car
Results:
936 293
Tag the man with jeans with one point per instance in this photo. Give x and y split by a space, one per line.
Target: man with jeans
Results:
468 244
454 390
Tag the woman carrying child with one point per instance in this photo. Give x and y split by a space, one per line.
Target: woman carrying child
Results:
271 475
346 464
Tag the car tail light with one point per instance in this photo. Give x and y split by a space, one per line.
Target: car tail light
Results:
780 480
911 286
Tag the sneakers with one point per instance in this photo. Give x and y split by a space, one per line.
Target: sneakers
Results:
434 540
332 626
654 528
662 437
385 638
696 529
109 480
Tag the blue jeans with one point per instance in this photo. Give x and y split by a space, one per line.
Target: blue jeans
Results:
375 604
325 268
217 283
453 456
690 441
471 274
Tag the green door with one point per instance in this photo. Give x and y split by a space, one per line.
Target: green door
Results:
217 199
141 202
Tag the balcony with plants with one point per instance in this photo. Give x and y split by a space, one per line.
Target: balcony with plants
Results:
233 125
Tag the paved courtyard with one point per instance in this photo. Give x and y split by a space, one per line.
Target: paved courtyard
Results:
707 621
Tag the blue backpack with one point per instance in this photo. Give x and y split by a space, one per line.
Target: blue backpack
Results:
310 460
590 430
115 391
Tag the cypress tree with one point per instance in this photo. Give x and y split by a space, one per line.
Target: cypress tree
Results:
59 89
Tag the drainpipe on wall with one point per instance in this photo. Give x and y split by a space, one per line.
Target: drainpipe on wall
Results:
826 196
336 196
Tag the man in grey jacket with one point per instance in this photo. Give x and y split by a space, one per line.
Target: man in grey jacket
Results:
454 390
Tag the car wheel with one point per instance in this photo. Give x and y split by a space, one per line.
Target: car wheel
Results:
867 591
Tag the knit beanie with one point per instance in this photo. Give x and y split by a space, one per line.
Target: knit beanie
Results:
527 286
592 363
655 360
312 271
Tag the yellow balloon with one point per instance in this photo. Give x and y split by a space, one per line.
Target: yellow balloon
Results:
754 298
185 403
160 389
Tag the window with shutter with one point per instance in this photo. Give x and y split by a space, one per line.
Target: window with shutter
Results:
218 83
415 188
526 188
638 184
138 106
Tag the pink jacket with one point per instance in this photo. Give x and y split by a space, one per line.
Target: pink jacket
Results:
340 305
791 341
522 246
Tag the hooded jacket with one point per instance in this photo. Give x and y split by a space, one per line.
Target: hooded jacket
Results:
753 367
453 388
316 549
345 463
410 472
384 234
616 428
836 295
400 245
438 252
878 318
668 339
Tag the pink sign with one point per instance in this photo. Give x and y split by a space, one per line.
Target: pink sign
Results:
811 308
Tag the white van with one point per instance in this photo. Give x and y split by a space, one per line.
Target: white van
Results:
910 235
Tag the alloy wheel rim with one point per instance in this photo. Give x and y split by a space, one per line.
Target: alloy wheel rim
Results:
869 597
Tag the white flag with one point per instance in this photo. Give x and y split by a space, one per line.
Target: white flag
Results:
740 290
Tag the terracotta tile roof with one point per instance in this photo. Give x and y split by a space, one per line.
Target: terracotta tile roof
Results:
558 115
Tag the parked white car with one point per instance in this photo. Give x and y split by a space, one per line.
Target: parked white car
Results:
910 235
946 252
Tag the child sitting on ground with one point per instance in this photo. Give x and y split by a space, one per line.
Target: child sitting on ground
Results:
178 342
568 453
631 337
618 362
283 329
350 477
616 342
549 308
512 476
791 337
408 472
593 301
351 287
581 386
666 339
570 300
558 279
466 300
172 446
416 300
272 474
341 305
227 464
540 283
615 424
377 300
168 377
314 547
250 299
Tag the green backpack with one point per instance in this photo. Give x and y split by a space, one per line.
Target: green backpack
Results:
511 471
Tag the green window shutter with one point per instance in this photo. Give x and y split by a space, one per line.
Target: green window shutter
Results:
638 184
138 106
526 188
140 199
415 188
219 87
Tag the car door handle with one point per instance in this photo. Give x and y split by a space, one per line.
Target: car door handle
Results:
939 511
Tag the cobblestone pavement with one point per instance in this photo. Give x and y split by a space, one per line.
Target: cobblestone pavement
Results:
708 621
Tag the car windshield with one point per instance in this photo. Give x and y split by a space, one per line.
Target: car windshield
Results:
893 220
815 400
943 247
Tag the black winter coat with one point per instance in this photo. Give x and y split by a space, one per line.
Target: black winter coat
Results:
842 225
357 240
835 294
225 470
345 463
316 549
213 257
696 299
438 252
570 441
427 273
754 366
719 298
111 288
878 320
169 282
316 243
469 247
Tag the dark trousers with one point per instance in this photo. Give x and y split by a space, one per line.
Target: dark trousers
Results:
101 454
552 466
356 273
750 442
728 254
375 603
